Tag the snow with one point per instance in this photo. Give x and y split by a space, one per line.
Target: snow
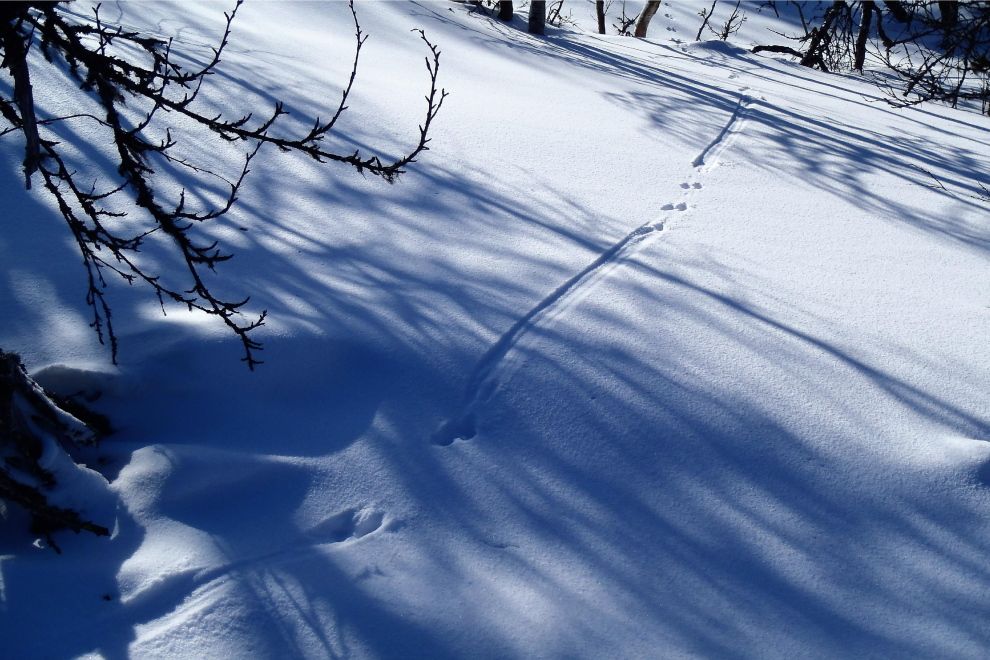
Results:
663 349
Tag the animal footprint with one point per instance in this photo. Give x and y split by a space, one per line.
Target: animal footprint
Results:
674 207
463 428
348 524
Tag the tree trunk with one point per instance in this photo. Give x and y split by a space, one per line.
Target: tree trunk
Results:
15 59
643 23
537 16
505 10
864 34
813 56
706 16
898 11
600 14
949 15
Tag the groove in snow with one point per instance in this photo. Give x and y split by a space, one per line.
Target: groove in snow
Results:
482 383
709 155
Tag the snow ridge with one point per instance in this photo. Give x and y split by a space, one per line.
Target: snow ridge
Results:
347 526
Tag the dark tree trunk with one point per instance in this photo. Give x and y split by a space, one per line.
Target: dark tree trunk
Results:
600 14
15 59
643 23
950 15
813 56
537 16
864 34
505 10
898 11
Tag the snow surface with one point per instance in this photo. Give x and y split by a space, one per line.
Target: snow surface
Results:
664 349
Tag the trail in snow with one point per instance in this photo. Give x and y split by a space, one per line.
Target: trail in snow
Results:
483 379
708 159
482 382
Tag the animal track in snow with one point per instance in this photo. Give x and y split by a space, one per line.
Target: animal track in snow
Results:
346 525
483 380
709 156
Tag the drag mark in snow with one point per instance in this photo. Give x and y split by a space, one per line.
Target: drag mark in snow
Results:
482 382
708 159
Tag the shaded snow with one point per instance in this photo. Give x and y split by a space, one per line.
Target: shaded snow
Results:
762 431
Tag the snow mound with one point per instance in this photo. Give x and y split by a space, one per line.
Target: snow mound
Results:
716 47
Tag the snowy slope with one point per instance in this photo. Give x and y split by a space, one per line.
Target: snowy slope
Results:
664 349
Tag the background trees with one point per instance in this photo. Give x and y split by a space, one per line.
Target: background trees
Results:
941 53
935 50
